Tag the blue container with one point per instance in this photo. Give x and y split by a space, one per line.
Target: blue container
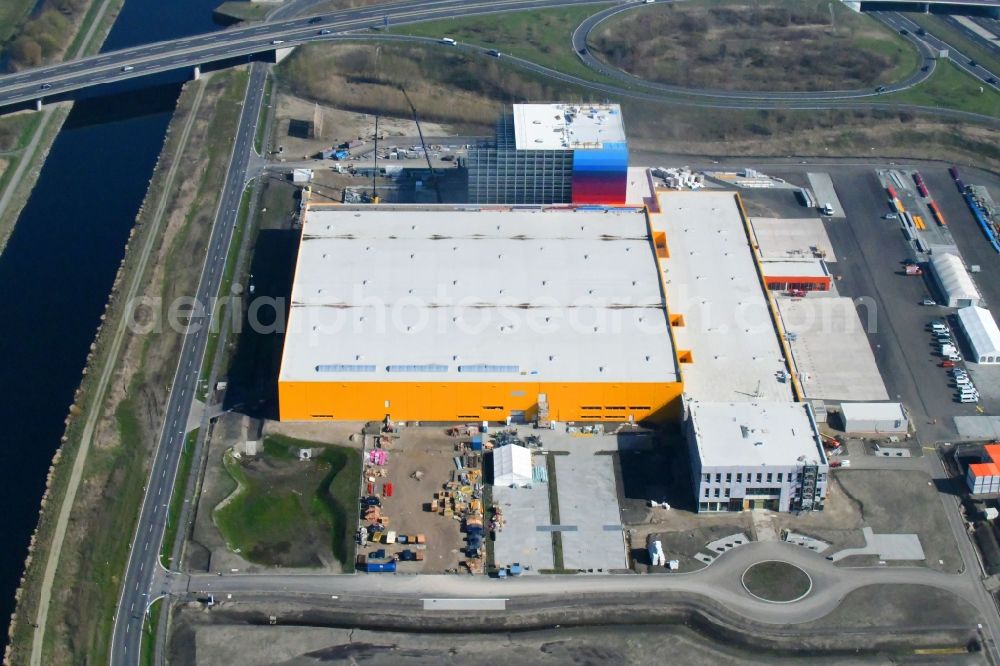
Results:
477 442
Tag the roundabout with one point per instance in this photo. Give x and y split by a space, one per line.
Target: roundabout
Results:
776 582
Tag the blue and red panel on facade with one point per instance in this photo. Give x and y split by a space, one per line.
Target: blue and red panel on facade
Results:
600 175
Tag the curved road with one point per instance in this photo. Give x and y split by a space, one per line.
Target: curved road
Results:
582 34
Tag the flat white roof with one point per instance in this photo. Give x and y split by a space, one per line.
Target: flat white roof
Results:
428 294
953 277
794 268
873 411
981 330
712 281
780 237
746 434
567 126
511 465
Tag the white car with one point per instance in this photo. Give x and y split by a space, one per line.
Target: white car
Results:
968 398
449 41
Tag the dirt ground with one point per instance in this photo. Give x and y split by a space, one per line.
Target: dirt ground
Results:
427 450
338 126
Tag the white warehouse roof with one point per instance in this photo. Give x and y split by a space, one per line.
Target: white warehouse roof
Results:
954 279
431 294
711 279
859 412
982 333
511 466
794 268
744 434
567 126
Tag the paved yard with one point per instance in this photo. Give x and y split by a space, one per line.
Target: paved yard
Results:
588 502
524 510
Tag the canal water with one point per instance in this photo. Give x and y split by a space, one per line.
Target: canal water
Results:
60 262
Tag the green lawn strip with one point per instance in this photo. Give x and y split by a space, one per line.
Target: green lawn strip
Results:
177 499
541 36
259 514
557 548
950 88
336 498
906 57
244 11
948 33
147 650
258 139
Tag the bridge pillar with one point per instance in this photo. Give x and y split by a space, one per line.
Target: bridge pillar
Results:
281 54
927 8
38 104
197 72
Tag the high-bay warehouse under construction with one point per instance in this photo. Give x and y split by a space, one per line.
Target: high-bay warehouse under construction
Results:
653 309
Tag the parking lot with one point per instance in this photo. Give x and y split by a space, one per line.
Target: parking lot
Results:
870 251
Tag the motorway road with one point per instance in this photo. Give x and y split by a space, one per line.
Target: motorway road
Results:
898 21
269 36
144 567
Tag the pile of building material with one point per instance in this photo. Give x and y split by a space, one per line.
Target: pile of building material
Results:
680 178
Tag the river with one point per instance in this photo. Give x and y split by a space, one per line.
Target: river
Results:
61 260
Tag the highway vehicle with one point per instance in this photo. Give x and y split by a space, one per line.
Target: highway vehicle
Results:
494 53
277 41
928 301
449 41
973 63
315 19
127 68
45 86
325 31
921 32
991 80
880 89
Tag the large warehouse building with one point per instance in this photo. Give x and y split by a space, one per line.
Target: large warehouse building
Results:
466 314
982 334
552 153
953 279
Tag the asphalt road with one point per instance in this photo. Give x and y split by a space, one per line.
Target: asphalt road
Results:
232 43
719 582
144 565
900 22
269 36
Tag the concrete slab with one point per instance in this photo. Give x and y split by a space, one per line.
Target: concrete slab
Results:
728 543
886 546
798 237
978 427
588 499
830 349
822 186
464 604
521 540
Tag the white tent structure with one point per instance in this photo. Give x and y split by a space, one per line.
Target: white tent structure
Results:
511 466
982 333
955 282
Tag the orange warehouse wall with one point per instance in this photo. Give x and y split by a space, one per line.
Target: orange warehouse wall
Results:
462 401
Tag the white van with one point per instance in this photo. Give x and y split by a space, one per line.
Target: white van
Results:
968 398
449 41
938 326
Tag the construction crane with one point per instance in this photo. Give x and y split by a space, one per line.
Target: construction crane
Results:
423 145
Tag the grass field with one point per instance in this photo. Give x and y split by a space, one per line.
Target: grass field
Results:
951 88
776 581
287 512
12 15
766 45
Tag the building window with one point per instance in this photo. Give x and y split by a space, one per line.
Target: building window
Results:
718 477
739 477
716 492
770 477
708 477
759 475
729 477
727 492
780 474
706 492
